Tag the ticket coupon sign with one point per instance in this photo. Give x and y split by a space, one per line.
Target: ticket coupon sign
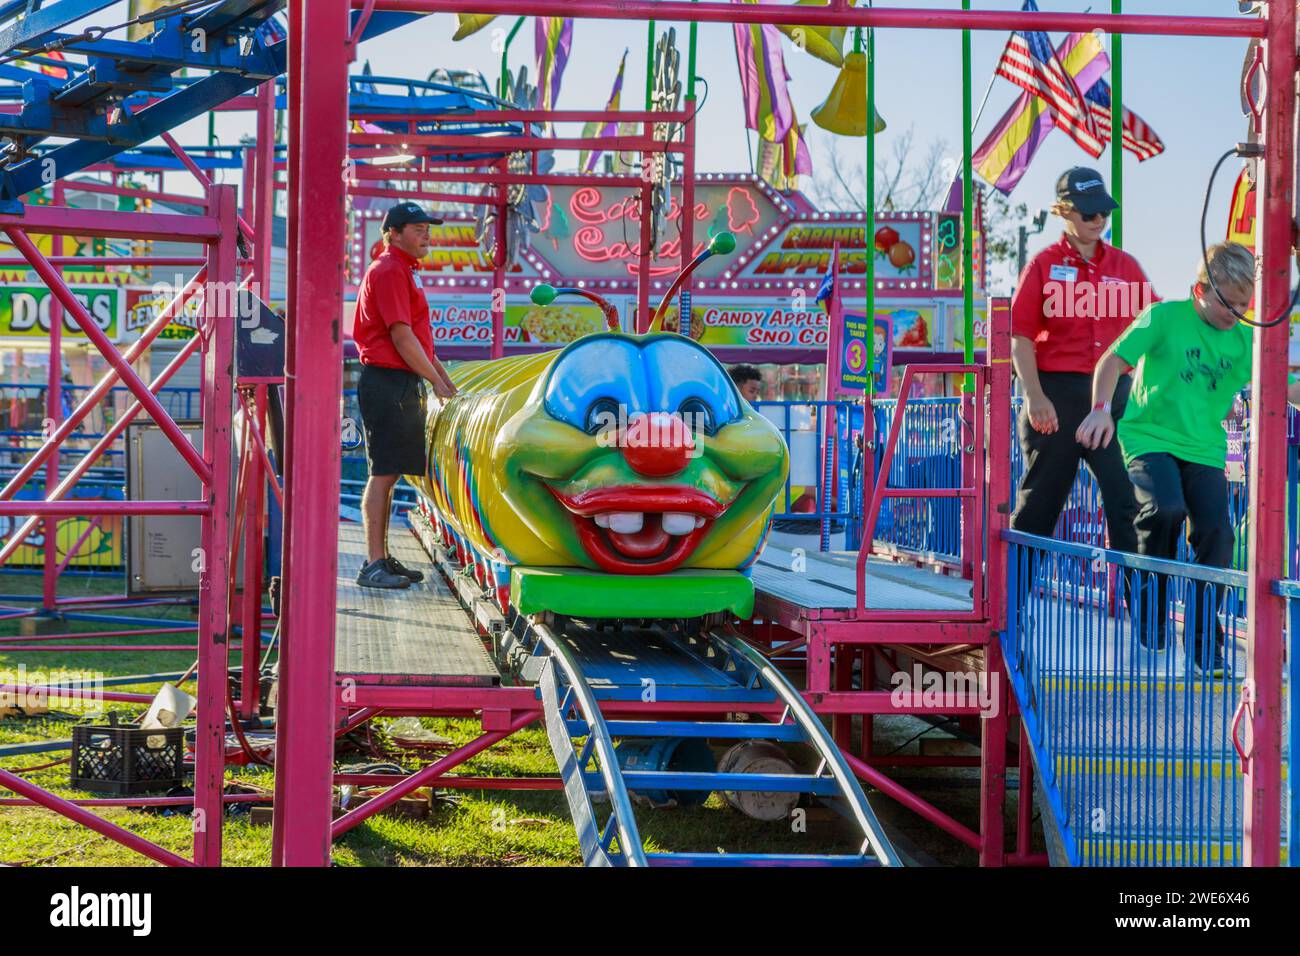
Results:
866 352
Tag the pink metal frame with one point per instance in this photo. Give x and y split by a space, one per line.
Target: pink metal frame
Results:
311 716
827 635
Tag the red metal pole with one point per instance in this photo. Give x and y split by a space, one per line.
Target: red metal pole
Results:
75 547
85 463
318 128
218 334
53 414
1265 611
87 819
903 18
686 223
996 441
500 267
265 189
646 251
255 430
254 530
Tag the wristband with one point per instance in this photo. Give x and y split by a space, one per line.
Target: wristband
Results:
1102 407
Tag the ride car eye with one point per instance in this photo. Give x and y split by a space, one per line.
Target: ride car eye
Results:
601 416
698 416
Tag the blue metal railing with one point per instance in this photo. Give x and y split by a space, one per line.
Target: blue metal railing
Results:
1134 746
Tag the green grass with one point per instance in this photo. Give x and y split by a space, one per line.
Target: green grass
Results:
464 827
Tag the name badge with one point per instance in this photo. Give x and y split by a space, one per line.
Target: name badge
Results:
1064 273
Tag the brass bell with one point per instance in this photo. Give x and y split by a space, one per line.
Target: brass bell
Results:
845 109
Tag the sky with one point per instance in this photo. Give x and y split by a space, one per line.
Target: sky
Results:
1186 89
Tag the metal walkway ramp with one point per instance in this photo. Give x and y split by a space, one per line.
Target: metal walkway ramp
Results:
582 665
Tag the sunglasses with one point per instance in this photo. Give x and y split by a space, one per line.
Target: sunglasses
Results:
1095 217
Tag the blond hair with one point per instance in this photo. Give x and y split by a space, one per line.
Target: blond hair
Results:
1230 264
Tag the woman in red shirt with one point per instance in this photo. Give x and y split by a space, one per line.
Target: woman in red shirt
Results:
1073 300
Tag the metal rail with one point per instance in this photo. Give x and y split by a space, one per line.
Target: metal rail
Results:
596 846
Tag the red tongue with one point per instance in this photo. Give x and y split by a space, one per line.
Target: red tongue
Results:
649 542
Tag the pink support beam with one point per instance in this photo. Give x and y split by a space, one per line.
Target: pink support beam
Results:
253 423
264 188
88 460
53 413
87 819
429 774
50 276
61 220
1266 611
204 179
314 354
76 547
254 533
73 509
218 334
860 16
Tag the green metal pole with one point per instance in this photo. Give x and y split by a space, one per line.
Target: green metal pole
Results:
967 208
690 60
1117 130
869 236
649 65
504 88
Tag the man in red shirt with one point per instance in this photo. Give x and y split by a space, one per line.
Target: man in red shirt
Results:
1073 300
395 341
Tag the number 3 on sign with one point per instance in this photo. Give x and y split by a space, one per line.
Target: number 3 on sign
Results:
857 356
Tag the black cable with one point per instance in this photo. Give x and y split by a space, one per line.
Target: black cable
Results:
1285 314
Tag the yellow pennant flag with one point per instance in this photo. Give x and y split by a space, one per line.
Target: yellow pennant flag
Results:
825 43
471 23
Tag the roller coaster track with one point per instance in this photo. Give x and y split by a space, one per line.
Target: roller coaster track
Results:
570 699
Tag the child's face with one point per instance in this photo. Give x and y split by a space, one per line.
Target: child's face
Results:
1214 312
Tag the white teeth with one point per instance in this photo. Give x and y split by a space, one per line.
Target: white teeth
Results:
699 522
602 521
677 523
626 522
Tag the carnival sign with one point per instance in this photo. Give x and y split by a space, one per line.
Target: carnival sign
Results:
25 311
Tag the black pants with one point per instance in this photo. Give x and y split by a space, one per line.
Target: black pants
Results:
1052 462
1169 492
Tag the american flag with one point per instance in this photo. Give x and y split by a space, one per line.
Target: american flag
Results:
1030 62
1139 138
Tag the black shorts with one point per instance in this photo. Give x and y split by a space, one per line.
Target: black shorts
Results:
392 414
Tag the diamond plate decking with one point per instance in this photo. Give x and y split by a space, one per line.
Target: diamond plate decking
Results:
418 636
827 580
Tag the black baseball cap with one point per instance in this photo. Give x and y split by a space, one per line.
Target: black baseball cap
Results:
405 213
1085 190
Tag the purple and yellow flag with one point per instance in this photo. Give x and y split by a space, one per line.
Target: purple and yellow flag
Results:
781 164
553 40
763 80
598 130
1005 155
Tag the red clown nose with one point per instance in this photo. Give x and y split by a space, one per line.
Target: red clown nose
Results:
657 445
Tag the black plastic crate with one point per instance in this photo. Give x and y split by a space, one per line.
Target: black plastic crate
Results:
124 761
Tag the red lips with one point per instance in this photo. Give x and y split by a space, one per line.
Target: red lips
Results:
650 549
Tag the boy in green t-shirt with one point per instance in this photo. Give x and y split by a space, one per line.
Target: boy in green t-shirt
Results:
1192 358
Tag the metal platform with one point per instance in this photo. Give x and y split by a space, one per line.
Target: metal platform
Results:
827 580
624 663
417 636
